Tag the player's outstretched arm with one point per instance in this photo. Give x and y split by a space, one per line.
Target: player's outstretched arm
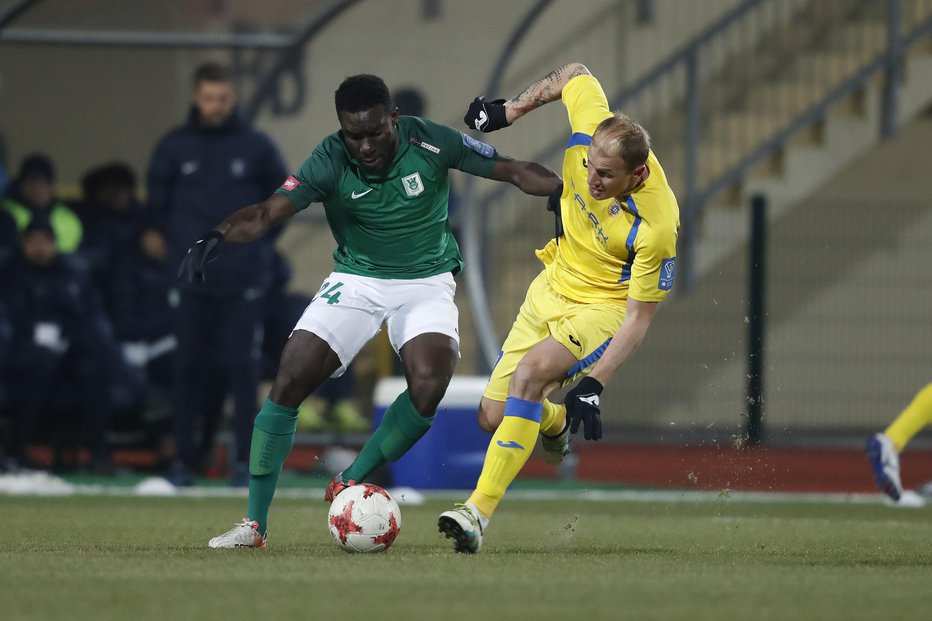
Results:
488 116
252 222
547 89
242 226
530 177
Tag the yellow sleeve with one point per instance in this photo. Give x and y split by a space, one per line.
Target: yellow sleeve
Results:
585 103
654 266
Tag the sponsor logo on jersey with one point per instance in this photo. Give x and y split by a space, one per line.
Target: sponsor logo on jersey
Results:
615 209
354 195
420 143
413 184
667 273
594 219
483 149
290 184
189 167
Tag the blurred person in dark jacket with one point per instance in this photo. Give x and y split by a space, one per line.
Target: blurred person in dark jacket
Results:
125 253
32 193
4 178
111 215
63 342
6 354
8 236
199 174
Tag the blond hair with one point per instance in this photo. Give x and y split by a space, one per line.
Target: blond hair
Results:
620 136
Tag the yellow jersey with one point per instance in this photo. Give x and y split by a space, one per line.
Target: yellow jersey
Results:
610 249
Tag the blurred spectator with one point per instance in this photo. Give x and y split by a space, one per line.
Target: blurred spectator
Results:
32 194
64 347
410 101
8 235
6 342
110 214
126 255
4 178
199 174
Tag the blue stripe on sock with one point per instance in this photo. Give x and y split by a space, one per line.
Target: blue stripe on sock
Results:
519 408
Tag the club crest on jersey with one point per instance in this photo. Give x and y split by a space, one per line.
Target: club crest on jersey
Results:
615 209
413 184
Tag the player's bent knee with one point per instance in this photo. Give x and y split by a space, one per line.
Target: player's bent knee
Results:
427 391
528 382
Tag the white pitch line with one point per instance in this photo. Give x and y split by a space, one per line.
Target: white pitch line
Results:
46 485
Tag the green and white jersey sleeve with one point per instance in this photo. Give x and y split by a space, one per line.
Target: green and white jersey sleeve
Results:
315 180
392 224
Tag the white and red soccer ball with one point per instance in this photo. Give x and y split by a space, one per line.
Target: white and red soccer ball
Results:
364 518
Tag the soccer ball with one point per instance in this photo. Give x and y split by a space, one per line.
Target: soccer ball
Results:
364 518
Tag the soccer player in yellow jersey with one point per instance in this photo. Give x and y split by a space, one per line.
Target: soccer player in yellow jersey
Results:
883 449
590 307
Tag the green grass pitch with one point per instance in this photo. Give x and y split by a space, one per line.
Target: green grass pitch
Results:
106 557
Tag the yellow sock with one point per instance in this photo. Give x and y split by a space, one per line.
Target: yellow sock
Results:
553 419
508 452
917 415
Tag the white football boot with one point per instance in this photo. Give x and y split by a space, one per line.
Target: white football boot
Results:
464 525
243 535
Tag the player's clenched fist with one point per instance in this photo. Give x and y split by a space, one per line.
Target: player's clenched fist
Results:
486 116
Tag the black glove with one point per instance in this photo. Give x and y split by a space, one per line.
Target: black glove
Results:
582 406
486 116
553 204
204 250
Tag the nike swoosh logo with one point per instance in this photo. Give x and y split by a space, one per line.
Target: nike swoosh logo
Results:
361 194
511 444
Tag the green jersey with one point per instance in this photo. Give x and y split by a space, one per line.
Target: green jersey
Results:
392 224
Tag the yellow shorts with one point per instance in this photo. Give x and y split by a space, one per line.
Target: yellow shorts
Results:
584 329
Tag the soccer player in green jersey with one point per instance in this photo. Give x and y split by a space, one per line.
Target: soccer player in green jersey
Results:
384 182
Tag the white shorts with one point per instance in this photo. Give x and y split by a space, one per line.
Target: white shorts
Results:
349 310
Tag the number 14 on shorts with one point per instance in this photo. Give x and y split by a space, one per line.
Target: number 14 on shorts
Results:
329 292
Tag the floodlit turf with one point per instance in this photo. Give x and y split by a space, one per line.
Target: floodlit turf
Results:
122 558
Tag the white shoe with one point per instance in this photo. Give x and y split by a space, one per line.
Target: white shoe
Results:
556 447
885 462
464 524
242 535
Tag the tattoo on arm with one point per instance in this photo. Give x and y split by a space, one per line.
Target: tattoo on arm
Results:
548 88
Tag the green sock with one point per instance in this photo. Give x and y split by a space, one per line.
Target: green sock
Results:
272 437
400 428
